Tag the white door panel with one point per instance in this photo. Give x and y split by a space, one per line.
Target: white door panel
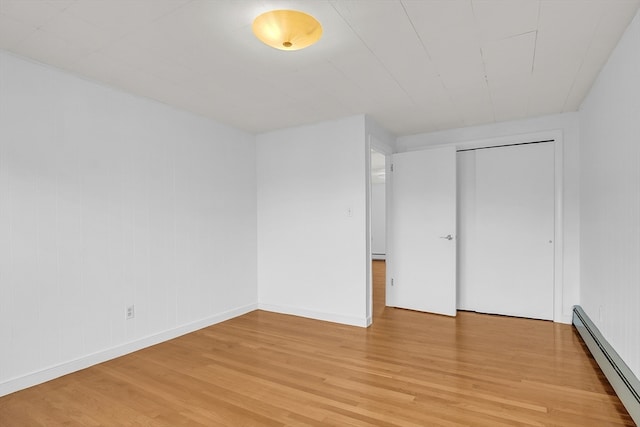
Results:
423 213
513 253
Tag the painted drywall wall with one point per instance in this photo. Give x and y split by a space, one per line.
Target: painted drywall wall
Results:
568 125
108 200
312 221
610 199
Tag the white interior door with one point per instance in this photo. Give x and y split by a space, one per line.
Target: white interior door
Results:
423 221
512 253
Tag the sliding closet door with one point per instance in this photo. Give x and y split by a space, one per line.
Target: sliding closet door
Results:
512 259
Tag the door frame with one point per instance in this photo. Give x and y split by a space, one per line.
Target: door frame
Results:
557 136
374 143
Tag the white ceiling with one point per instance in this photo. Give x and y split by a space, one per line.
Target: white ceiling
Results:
414 65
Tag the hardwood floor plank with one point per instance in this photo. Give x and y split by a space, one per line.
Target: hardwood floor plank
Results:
378 283
407 369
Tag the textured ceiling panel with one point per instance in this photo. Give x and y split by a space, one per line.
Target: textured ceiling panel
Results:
414 65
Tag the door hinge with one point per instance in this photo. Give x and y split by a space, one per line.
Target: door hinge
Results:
391 167
392 281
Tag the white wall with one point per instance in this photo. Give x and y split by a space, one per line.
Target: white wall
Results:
108 200
465 227
610 199
312 221
524 130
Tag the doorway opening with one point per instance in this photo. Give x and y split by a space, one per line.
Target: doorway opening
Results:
378 231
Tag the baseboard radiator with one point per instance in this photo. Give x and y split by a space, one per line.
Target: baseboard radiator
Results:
623 381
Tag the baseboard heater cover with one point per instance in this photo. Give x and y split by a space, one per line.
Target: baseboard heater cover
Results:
621 378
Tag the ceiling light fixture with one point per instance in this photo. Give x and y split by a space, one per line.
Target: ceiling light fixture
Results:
287 29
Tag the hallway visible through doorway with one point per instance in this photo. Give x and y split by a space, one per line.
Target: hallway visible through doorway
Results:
379 270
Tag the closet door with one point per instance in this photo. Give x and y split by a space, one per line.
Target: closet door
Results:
423 230
512 264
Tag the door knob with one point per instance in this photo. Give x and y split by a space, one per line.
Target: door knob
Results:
448 237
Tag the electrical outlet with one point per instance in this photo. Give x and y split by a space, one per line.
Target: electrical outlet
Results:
131 312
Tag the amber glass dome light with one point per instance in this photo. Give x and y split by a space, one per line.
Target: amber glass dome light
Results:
287 29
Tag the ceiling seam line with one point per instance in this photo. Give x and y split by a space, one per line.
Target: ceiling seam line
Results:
484 65
533 60
573 83
435 66
519 35
374 55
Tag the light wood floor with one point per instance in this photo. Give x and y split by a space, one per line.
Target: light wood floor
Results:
378 270
408 369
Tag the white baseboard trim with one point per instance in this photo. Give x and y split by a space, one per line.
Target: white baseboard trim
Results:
565 318
38 377
317 315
